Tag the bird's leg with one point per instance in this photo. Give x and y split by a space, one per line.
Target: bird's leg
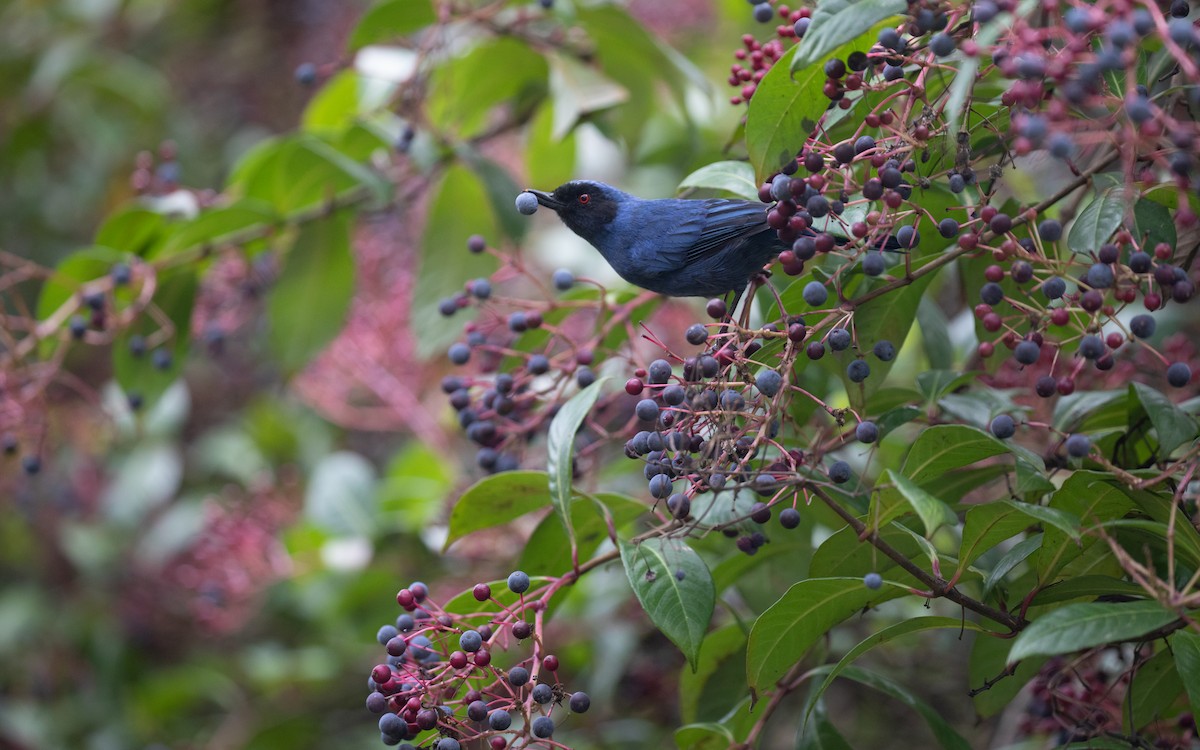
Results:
756 281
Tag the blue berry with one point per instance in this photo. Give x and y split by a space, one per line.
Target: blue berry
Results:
1078 446
948 228
908 237
1099 276
763 13
459 353
527 203
660 486
858 371
542 693
1142 326
839 339
1003 427
306 74
1054 287
866 432
580 702
563 279
992 293
518 582
448 743
769 382
957 183
1027 352
477 711
872 263
1091 347
538 364
1050 230
518 676
481 288
884 350
470 641
386 633
646 410
543 726
659 371
873 581
696 334
839 472
815 293
679 506
1179 375
499 720
942 45
789 518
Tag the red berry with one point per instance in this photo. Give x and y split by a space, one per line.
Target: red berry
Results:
633 387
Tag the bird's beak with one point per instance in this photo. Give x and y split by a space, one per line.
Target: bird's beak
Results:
546 199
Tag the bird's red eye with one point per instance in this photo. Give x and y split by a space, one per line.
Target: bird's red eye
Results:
584 198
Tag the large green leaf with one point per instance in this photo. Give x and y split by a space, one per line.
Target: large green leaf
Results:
803 615
548 548
214 227
1185 644
1075 627
844 554
302 172
1011 559
818 732
942 448
985 526
675 589
1064 521
1156 685
463 90
459 209
391 20
578 90
132 230
890 633
1097 221
835 22
782 114
1171 424
1152 224
139 375
549 159
496 500
308 303
720 676
735 177
945 734
933 512
1087 496
560 450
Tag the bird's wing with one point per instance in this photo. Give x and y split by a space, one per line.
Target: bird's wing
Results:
691 231
723 223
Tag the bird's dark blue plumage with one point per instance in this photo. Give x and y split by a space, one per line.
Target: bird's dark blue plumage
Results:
681 248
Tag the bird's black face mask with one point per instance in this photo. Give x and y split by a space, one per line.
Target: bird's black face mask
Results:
585 207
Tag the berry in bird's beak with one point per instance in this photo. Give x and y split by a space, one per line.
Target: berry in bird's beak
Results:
546 199
527 203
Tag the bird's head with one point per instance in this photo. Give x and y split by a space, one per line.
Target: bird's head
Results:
586 207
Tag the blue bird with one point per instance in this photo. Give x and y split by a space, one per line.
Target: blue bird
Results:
676 247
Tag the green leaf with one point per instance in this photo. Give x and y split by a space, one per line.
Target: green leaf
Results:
784 632
932 511
1090 586
132 230
175 299
576 91
302 172
679 607
344 100
501 190
935 335
560 450
549 160
942 448
214 227
1014 557
782 113
464 90
1152 224
890 633
415 485
340 497
1066 522
945 734
1079 626
1173 427
735 177
818 732
707 736
985 527
308 303
1156 684
391 20
1097 221
720 675
1089 497
446 264
843 554
496 500
548 548
835 22
1185 644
